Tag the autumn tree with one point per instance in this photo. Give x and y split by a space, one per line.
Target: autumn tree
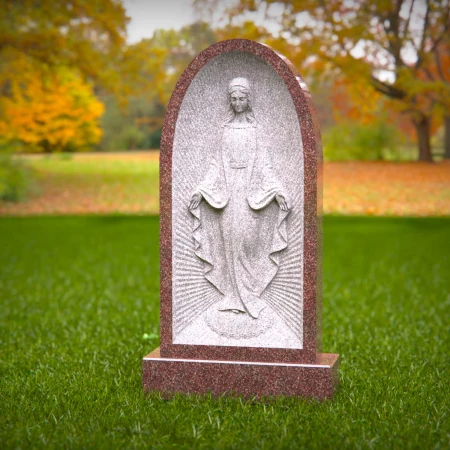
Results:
150 71
48 110
381 42
85 35
51 54
437 73
443 68
179 48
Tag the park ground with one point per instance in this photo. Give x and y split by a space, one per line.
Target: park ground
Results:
80 308
79 290
105 183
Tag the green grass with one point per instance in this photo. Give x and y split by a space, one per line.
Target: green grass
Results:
98 181
78 294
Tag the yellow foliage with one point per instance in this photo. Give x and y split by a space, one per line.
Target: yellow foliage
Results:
353 100
86 35
48 111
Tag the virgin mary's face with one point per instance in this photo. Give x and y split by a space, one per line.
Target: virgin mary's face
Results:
239 101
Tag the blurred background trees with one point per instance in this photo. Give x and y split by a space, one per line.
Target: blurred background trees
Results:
51 56
379 71
159 62
49 110
397 48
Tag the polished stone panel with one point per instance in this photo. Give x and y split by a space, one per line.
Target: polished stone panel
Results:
246 379
240 185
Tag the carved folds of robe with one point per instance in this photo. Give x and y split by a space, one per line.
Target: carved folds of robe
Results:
239 230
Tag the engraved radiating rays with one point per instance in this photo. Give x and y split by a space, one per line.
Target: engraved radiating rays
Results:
285 292
194 294
195 143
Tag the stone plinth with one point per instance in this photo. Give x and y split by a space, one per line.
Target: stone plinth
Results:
245 378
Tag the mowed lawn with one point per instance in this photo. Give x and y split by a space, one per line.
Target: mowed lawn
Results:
78 294
91 183
127 183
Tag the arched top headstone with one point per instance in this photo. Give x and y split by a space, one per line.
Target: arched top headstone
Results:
240 186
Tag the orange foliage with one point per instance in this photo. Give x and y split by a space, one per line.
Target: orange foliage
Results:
49 111
85 35
351 99
384 188
434 76
362 188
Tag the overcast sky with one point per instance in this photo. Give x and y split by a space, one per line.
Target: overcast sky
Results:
149 15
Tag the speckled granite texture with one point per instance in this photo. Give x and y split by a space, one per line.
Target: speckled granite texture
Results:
312 221
248 371
206 145
246 379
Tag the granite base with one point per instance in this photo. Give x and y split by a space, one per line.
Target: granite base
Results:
246 379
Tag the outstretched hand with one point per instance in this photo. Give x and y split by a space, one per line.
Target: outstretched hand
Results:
195 200
281 199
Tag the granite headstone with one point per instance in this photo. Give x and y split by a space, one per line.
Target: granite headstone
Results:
240 196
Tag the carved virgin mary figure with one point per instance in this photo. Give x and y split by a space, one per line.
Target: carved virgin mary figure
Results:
240 210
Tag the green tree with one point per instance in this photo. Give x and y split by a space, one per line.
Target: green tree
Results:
179 49
150 71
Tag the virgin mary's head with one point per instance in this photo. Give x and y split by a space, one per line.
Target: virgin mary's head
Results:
239 99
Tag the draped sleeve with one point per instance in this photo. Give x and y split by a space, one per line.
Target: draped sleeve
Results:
206 228
264 186
213 187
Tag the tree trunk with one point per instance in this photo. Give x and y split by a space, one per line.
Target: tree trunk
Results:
423 138
447 137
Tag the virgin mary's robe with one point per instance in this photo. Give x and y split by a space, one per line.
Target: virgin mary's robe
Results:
239 230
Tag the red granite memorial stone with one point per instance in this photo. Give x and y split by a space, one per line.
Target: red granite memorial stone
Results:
240 195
